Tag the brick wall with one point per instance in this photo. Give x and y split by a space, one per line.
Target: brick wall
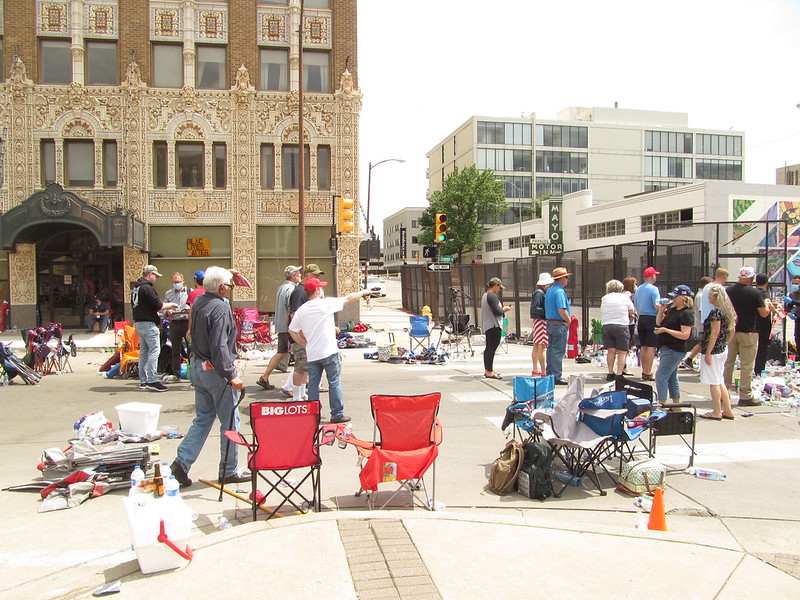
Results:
20 30
242 45
345 41
134 34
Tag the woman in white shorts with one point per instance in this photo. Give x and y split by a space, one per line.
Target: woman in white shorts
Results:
717 331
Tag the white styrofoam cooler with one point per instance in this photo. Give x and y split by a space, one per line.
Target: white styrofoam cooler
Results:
139 418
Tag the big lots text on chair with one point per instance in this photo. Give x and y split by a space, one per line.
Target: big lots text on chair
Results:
285 439
406 437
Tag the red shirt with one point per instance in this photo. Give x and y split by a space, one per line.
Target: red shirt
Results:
194 294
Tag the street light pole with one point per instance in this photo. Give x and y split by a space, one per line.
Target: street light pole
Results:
369 192
519 208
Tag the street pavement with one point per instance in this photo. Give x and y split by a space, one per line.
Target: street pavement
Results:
734 539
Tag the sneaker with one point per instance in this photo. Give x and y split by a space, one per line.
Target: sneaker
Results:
610 377
238 477
170 379
156 387
687 363
340 419
142 385
749 402
181 476
561 381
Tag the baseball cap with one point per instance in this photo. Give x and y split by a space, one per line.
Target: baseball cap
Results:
496 281
199 275
313 283
314 268
747 273
150 269
681 290
650 271
290 270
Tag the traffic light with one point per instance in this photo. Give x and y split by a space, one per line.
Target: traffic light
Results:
344 215
440 235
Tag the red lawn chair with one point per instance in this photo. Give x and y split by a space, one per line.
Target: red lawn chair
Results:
285 438
410 434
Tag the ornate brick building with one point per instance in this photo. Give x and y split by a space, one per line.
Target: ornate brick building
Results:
166 132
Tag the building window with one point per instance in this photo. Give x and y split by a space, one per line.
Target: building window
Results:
414 224
274 69
514 243
317 4
315 71
559 186
504 133
730 145
517 187
324 167
668 141
79 162
110 163
211 63
414 239
667 166
291 168
267 166
493 246
495 159
56 61
220 165
548 161
562 136
667 220
167 65
189 165
101 63
714 168
160 164
48 150
654 186
601 230
274 2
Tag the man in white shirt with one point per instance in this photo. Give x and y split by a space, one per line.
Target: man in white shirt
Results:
313 327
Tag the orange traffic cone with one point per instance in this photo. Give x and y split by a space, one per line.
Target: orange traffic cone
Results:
658 521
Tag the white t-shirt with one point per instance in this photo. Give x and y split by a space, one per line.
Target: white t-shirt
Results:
614 309
315 320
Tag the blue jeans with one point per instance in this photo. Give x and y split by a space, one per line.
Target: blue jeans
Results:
90 319
667 374
332 365
213 399
557 333
149 349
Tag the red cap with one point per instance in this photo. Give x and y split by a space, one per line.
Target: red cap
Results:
650 271
313 283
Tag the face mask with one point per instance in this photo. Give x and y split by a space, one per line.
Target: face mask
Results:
793 287
177 286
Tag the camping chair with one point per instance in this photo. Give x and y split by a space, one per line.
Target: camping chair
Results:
575 444
530 394
458 330
285 439
419 336
410 434
128 352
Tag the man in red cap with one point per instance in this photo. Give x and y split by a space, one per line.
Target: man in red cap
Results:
313 328
646 300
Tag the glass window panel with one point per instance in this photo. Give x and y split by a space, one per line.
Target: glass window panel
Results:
56 61
526 134
160 164
317 4
267 166
556 136
274 2
324 167
170 242
737 146
220 157
211 67
291 167
101 63
508 134
167 65
315 71
274 70
189 165
714 144
79 162
673 142
481 132
110 163
48 161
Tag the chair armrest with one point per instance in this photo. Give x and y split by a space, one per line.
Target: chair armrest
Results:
436 433
237 438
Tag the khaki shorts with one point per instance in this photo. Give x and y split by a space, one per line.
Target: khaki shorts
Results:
300 362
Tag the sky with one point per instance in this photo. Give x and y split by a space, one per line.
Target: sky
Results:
425 67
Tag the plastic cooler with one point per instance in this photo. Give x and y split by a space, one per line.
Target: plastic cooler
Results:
139 418
160 529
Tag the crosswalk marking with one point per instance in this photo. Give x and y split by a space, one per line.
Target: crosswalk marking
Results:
732 452
480 397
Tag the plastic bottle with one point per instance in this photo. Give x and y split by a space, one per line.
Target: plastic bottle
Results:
346 435
172 487
566 477
137 476
224 523
713 474
644 502
165 471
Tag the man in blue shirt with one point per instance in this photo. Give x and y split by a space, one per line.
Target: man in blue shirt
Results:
557 314
646 300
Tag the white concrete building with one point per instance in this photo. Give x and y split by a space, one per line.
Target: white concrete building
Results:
394 252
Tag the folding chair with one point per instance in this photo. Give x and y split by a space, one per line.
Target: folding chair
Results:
575 444
458 342
530 394
285 439
419 336
410 434
128 352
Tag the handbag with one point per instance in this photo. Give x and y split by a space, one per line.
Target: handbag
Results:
641 476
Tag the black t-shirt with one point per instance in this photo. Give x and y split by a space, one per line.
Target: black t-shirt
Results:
297 299
746 300
674 319
98 308
763 323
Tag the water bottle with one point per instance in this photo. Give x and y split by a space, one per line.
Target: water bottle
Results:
645 503
224 523
166 471
172 487
712 474
346 435
5 379
137 476
567 477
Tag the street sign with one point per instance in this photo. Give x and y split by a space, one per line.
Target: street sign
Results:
438 266
430 251
447 258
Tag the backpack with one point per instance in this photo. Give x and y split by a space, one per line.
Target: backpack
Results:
534 479
505 468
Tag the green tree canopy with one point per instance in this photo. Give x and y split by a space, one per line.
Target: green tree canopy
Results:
467 197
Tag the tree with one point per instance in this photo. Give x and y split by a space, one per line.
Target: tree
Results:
466 197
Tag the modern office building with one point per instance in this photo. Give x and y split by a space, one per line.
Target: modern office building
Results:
614 152
166 132
788 175
400 231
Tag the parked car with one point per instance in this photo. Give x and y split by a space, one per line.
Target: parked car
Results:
376 284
